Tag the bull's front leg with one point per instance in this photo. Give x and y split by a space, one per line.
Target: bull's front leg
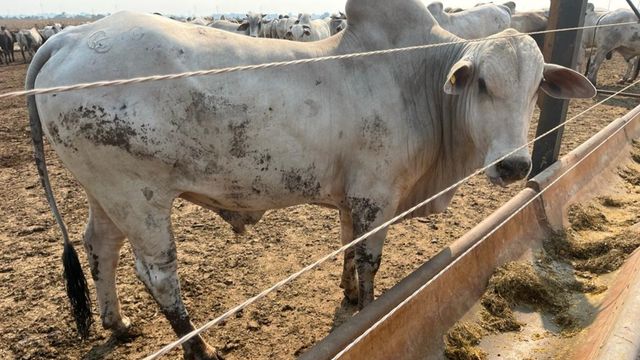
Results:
349 281
367 214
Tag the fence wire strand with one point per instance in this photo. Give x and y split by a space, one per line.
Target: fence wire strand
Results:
227 70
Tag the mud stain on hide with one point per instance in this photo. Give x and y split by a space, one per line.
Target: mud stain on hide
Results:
301 181
364 212
99 127
374 133
314 108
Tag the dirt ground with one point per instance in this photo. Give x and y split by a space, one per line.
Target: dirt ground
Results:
217 268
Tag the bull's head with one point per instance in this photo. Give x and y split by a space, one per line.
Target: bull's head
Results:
498 82
252 23
298 32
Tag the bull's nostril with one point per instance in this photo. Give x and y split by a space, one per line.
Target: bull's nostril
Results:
514 168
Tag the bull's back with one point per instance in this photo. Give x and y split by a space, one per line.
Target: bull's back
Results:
225 129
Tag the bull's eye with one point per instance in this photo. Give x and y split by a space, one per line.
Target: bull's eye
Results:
482 85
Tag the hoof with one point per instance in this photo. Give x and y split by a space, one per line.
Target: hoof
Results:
351 297
208 353
122 330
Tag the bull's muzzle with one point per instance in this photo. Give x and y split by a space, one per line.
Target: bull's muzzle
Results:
510 170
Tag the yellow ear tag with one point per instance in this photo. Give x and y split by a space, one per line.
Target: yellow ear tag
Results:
453 80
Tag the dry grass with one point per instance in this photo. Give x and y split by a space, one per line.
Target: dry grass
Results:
461 343
586 217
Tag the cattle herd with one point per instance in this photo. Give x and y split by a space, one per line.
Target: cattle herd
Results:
370 136
481 21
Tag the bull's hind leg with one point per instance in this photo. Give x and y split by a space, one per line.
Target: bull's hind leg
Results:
102 242
594 66
148 227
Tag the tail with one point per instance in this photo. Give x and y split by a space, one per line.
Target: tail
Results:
76 283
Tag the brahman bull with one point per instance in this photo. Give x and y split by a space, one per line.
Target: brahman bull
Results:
6 45
306 30
252 24
369 136
623 39
474 23
29 40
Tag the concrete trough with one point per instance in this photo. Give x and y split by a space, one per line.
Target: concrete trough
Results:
451 282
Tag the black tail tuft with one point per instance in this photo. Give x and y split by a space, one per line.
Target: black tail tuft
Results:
77 290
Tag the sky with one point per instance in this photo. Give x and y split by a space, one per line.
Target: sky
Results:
209 7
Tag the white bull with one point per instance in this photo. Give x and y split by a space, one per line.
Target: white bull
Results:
624 39
306 30
29 41
369 136
474 23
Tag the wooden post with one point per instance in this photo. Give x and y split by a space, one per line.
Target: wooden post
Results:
560 48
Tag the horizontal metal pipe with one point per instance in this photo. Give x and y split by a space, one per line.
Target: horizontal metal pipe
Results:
626 94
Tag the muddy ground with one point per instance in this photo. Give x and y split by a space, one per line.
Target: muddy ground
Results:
218 269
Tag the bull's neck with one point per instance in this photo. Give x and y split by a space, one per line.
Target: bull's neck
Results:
449 152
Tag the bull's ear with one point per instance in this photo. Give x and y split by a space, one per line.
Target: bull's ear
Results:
563 83
459 76
511 5
435 7
244 26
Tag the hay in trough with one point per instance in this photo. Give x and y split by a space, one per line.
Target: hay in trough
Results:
611 202
570 246
586 217
461 343
630 175
497 315
596 256
521 283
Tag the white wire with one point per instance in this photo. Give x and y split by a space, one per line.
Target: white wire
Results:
325 258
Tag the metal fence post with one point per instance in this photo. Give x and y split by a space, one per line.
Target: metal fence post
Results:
559 48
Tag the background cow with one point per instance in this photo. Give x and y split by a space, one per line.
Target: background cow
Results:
29 41
306 30
252 24
623 39
6 45
474 23
337 23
